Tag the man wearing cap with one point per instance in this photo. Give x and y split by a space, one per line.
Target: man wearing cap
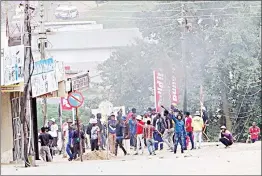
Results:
139 134
197 124
54 133
112 133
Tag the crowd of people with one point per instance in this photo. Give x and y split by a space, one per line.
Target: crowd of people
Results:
135 132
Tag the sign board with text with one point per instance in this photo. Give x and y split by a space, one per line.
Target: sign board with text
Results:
13 64
80 81
44 79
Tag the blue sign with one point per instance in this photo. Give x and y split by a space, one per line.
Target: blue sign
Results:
75 99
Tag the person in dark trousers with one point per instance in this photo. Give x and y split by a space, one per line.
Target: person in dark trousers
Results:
179 132
226 137
169 130
44 139
76 142
100 125
189 129
159 124
119 137
95 135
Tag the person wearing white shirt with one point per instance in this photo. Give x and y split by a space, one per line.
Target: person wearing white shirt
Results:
54 133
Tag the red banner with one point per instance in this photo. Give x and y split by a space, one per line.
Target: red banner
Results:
174 91
65 105
158 89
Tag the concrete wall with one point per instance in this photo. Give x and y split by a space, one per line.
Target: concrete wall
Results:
6 129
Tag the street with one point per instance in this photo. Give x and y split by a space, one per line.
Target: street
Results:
239 159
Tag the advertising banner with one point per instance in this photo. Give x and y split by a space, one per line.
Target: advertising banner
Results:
44 79
174 91
13 65
158 89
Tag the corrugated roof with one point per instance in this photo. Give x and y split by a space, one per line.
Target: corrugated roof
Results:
90 39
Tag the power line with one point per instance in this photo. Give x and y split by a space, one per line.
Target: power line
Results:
171 18
159 11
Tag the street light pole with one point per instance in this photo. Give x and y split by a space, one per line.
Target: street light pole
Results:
183 53
26 113
42 34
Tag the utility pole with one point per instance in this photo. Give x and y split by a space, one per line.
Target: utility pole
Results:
42 45
183 53
26 113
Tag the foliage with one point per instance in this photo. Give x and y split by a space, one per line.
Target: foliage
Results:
222 52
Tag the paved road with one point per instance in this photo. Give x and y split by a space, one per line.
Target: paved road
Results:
240 159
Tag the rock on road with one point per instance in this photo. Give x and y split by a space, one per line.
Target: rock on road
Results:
240 159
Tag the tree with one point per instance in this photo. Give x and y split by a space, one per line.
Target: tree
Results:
222 53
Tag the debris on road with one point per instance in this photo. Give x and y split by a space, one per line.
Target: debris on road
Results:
96 155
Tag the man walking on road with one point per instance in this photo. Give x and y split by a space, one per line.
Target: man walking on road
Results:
254 132
197 124
139 134
189 129
126 140
119 137
132 129
149 130
112 133
44 141
169 131
100 125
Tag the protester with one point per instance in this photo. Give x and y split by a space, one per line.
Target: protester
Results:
119 137
159 124
112 133
148 133
54 134
68 131
44 139
139 134
126 141
132 129
254 132
95 135
100 125
226 137
179 132
189 129
76 142
169 130
197 124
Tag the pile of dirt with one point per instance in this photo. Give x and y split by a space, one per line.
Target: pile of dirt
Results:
96 155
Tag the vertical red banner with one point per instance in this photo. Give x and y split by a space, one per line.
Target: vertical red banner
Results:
158 89
174 90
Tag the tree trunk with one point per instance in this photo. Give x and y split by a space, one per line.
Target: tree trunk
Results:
225 103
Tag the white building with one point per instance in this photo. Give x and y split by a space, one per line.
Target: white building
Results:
85 48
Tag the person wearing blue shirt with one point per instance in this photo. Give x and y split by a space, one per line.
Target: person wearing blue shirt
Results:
179 131
69 146
132 129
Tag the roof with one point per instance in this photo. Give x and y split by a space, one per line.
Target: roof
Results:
91 39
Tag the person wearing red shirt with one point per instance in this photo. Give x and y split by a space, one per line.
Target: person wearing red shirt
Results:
139 134
189 129
254 132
